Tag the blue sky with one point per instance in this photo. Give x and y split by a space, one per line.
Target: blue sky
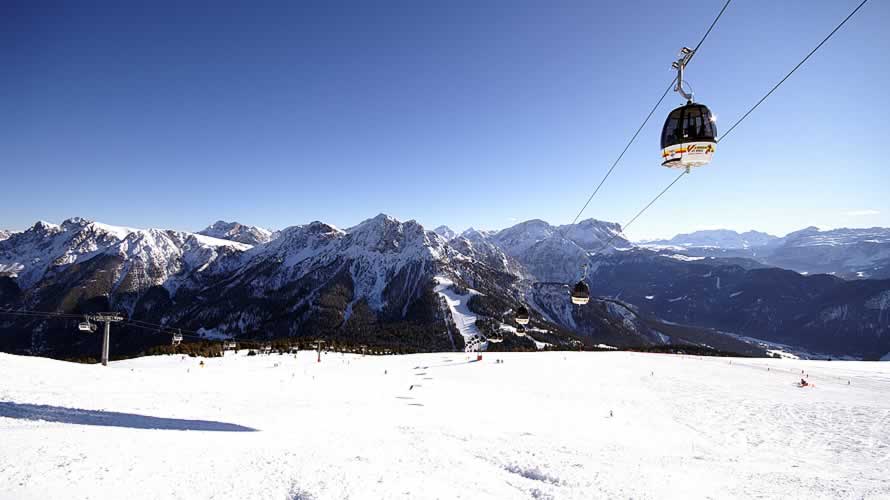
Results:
463 113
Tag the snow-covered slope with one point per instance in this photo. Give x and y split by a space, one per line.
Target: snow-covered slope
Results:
561 425
483 250
4 234
235 231
464 319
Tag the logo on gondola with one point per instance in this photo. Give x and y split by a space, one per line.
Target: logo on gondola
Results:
699 149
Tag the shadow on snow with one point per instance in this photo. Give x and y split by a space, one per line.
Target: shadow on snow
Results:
111 419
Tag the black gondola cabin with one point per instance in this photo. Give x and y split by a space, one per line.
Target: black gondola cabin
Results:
580 293
522 315
688 138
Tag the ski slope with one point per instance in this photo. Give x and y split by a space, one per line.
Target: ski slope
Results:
537 425
464 318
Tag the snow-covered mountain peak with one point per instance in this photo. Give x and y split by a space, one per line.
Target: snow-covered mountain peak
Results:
298 239
318 227
533 227
386 234
29 254
596 223
589 234
75 222
445 232
44 227
517 239
473 234
592 234
380 219
235 231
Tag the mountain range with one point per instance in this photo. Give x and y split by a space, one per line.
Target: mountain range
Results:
846 253
393 283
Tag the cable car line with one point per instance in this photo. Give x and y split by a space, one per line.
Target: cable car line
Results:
46 315
39 314
838 27
686 150
620 156
167 331
794 69
164 327
713 23
646 120
182 332
635 217
145 325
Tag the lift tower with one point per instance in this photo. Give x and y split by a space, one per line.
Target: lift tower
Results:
108 319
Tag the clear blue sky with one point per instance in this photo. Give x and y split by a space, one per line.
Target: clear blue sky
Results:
466 113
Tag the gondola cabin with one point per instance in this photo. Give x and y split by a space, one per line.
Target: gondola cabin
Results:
580 293
688 138
522 315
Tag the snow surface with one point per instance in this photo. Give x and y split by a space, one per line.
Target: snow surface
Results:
537 425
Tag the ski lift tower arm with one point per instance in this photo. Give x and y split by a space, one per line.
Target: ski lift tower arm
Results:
108 319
